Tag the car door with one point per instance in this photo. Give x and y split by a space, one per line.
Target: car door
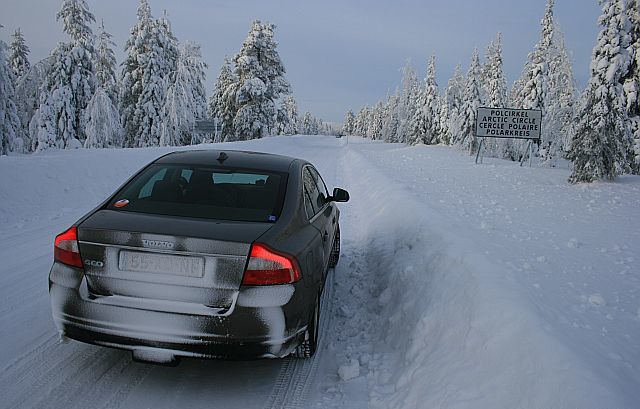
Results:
313 210
324 211
328 213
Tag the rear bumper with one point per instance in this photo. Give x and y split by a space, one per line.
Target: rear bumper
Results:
247 330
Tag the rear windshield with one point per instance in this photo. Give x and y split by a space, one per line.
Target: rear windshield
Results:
204 192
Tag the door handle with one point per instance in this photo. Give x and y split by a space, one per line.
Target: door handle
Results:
325 237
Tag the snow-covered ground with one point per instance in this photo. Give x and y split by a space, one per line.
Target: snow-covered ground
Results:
459 286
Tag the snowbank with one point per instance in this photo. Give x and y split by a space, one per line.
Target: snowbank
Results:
458 331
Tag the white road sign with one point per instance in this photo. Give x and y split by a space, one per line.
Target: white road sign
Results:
508 123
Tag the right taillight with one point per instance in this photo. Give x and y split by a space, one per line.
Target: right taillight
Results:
65 249
267 267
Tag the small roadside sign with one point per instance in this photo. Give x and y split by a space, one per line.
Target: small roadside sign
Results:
508 123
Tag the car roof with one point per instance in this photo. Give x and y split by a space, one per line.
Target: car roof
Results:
234 159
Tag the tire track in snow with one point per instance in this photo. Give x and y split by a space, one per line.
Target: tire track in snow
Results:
292 385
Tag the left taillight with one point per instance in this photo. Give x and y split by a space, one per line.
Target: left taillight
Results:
66 250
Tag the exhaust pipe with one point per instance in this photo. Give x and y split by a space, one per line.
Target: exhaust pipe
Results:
155 356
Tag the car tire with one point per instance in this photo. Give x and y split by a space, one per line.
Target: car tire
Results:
335 251
309 345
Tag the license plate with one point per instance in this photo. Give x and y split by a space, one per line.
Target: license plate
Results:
161 264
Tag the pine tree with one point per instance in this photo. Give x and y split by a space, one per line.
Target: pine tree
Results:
132 74
471 100
309 125
374 122
222 104
631 82
103 123
152 55
531 90
288 116
28 90
560 102
105 64
452 103
495 87
407 104
168 42
261 82
361 125
185 99
390 120
601 140
70 85
349 123
424 126
536 81
18 55
10 126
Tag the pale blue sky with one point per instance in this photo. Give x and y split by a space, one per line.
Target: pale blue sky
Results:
339 54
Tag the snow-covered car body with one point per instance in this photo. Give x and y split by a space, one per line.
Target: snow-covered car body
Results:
201 254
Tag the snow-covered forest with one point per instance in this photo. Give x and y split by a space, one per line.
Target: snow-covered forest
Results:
597 130
80 97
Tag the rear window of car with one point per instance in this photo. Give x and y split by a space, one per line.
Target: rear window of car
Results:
204 192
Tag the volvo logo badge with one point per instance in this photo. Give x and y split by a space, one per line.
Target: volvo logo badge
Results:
157 244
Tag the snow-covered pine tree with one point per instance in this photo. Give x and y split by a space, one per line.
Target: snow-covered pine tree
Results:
156 63
470 102
409 91
10 126
425 124
169 44
349 123
222 103
631 82
390 119
601 139
495 87
132 73
105 64
536 82
560 102
103 122
261 82
18 55
452 106
28 90
288 116
57 123
307 125
496 84
532 88
70 85
185 100
374 127
361 125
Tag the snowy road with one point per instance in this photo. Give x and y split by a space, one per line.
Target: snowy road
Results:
460 286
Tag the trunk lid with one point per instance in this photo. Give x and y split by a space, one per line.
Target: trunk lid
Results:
165 260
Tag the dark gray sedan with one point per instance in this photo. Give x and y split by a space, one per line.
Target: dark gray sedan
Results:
201 254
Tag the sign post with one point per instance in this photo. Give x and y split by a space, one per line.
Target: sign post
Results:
508 123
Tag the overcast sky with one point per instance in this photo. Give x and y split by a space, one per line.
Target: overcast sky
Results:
339 54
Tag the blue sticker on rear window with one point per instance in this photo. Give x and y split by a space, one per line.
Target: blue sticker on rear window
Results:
272 218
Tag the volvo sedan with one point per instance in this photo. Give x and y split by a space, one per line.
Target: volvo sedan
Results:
201 254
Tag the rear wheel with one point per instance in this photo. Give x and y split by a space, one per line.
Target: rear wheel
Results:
309 345
335 251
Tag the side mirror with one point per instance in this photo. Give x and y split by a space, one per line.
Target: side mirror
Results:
340 195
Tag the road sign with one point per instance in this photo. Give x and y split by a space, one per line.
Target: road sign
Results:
508 123
208 126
